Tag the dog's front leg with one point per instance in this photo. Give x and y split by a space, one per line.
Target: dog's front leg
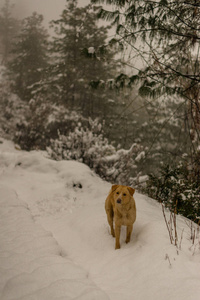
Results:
110 220
129 230
117 236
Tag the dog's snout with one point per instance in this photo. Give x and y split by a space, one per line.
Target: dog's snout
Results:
119 201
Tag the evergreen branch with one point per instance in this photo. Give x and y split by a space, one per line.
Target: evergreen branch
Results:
165 74
188 25
192 4
120 3
167 30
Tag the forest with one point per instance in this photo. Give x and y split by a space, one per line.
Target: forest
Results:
122 97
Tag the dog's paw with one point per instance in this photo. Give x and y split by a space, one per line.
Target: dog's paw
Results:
117 246
113 233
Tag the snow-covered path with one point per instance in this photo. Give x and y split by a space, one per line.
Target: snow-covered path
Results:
55 241
138 270
31 261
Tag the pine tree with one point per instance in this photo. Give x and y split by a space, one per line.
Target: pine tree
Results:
30 56
8 30
79 59
165 36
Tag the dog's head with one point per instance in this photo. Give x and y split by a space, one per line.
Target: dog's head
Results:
122 194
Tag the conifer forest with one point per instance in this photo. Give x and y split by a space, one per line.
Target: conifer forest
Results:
114 84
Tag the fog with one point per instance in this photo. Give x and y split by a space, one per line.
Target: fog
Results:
50 9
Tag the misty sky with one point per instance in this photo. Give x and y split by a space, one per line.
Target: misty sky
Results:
50 9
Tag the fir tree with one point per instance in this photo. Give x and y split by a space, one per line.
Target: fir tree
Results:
165 37
8 30
79 59
30 56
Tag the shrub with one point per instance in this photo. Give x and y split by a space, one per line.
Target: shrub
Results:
87 144
11 108
177 190
41 123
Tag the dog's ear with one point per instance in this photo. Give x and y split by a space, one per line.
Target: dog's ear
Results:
114 187
131 190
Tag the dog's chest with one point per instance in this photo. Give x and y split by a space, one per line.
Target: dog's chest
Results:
124 217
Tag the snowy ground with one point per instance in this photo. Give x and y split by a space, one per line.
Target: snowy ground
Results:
55 242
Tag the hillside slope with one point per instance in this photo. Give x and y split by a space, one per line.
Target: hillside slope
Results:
55 240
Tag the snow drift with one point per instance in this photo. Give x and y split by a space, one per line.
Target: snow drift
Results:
55 241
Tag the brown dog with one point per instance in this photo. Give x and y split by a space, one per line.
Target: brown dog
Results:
120 205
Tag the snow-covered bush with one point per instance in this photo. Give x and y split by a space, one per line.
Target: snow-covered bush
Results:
177 189
33 124
84 144
87 144
41 123
11 107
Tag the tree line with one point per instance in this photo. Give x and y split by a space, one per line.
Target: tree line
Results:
52 88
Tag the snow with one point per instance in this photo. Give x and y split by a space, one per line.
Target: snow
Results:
55 241
140 156
91 50
143 178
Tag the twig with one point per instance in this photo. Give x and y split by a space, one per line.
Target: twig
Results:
167 258
168 228
181 239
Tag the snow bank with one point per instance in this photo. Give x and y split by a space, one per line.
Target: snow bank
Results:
32 264
55 241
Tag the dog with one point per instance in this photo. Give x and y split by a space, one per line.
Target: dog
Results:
120 206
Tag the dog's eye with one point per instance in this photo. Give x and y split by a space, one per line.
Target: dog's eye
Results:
124 194
117 193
